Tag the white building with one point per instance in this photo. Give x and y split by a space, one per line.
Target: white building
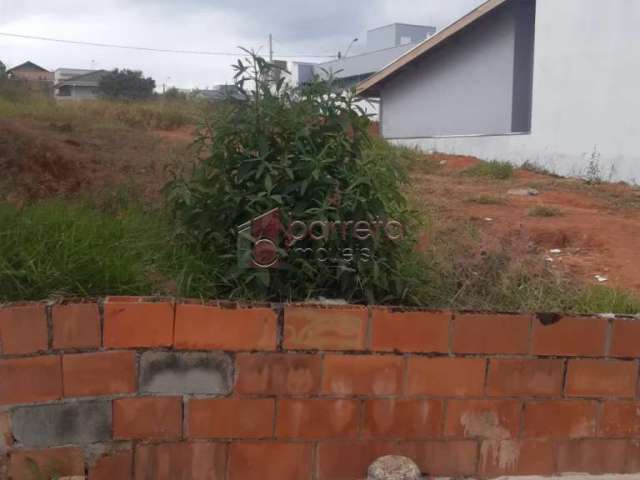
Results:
77 84
383 46
554 82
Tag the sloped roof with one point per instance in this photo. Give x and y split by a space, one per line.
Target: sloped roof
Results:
28 64
89 79
371 85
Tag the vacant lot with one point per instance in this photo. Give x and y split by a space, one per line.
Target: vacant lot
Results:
574 246
589 231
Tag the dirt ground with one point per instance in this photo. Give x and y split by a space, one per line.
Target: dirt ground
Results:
44 160
596 233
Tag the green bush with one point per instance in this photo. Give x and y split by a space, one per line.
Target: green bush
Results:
304 151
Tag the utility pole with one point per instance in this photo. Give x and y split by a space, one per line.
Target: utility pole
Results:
270 48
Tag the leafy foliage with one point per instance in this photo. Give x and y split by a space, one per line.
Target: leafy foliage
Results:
3 70
305 151
126 84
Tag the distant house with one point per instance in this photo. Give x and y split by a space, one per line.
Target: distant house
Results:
218 93
30 72
77 84
551 82
383 46
34 76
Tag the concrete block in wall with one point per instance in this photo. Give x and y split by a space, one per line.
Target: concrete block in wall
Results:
208 373
77 423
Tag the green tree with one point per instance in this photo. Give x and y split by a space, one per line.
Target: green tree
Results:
127 84
173 94
3 70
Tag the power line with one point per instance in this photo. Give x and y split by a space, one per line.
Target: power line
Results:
146 49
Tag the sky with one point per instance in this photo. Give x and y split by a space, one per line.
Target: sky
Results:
298 27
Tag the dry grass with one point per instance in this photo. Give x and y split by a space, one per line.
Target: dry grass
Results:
487 200
544 211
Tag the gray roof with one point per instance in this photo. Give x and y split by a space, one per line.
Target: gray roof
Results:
91 79
366 63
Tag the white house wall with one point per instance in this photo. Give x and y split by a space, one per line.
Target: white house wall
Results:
586 96
466 86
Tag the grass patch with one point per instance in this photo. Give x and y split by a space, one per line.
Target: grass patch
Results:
409 159
487 200
600 299
544 211
494 169
154 114
534 167
58 248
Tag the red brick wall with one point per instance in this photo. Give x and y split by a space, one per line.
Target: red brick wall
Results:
132 389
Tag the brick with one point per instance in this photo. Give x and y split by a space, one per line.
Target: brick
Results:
147 418
410 331
134 325
527 378
516 457
570 336
491 419
317 418
231 418
362 375
620 419
456 377
350 460
6 437
560 419
27 380
325 328
633 456
76 326
178 461
54 462
601 378
102 373
491 333
270 461
79 423
278 374
123 299
453 458
204 327
187 373
625 338
115 466
23 329
386 418
592 456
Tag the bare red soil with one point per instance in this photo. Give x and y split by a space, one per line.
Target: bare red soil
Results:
44 160
597 231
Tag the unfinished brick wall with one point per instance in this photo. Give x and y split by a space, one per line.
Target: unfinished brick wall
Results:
124 388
